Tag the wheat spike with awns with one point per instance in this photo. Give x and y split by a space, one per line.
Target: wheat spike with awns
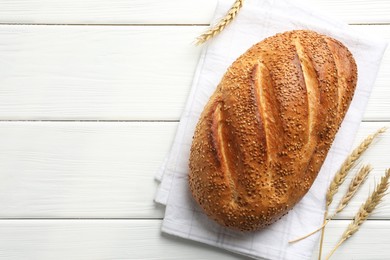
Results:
220 26
342 173
365 210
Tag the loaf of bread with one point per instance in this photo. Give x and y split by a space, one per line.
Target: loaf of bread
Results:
265 132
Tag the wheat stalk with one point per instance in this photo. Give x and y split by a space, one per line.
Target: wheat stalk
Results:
228 18
354 186
348 164
342 173
365 210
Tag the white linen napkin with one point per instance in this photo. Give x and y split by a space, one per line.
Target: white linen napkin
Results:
257 20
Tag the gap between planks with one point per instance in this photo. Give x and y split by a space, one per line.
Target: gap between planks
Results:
141 25
135 219
109 24
92 121
131 121
150 219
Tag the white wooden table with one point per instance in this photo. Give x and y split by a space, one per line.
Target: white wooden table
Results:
90 97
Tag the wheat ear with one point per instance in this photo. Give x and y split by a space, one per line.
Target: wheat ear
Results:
354 186
365 210
348 164
341 174
228 18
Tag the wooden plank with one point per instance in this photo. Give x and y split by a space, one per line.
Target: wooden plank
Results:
114 72
91 170
142 239
379 104
107 11
163 12
96 239
354 11
104 72
106 170
368 243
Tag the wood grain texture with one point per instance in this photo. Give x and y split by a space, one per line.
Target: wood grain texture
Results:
378 105
60 72
106 170
163 12
74 170
114 72
142 239
107 11
353 11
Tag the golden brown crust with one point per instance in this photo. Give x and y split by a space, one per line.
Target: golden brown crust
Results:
265 132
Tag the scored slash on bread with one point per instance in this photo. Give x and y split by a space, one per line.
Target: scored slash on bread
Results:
265 132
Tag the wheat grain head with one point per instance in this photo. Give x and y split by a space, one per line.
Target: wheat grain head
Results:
365 210
220 26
